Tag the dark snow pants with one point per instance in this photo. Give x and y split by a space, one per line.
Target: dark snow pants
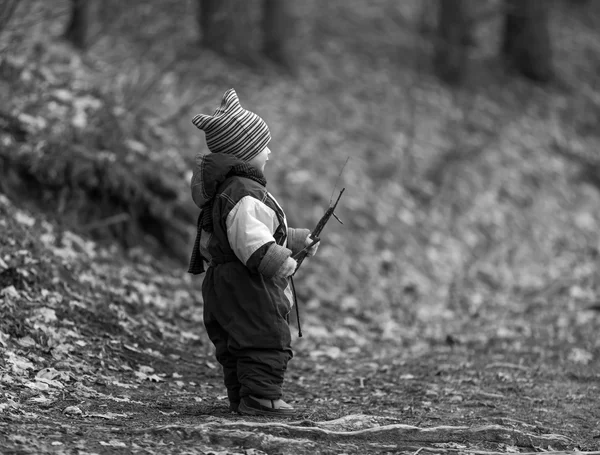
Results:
248 327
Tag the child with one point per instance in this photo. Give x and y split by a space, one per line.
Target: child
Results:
244 238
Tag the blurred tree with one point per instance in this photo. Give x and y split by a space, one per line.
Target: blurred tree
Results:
230 27
7 10
278 28
211 19
526 41
76 31
453 39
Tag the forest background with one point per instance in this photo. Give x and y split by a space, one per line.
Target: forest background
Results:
461 288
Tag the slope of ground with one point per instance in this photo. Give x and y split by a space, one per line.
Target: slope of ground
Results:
106 354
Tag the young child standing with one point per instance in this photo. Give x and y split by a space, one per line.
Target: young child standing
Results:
244 238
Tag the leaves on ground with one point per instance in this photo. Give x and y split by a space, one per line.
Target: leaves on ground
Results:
449 314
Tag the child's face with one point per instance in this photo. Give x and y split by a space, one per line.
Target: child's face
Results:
260 160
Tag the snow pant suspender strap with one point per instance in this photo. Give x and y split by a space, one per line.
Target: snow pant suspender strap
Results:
296 305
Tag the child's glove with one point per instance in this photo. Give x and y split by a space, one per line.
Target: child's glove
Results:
288 268
313 249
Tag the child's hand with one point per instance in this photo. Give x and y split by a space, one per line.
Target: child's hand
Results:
288 268
313 249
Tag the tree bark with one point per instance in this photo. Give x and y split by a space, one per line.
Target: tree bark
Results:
526 44
76 31
452 41
211 24
278 33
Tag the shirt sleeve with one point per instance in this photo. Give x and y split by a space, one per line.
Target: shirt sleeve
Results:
250 228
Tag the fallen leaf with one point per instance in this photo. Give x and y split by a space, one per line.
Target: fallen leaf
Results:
40 400
42 386
113 443
6 379
3 338
456 399
189 336
73 410
51 383
19 364
51 373
107 416
62 95
26 341
131 348
46 315
62 349
578 355
332 352
9 291
85 391
9 404
24 219
136 146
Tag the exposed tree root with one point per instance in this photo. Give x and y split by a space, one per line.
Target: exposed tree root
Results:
268 434
424 450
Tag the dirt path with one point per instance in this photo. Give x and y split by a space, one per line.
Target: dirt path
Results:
449 399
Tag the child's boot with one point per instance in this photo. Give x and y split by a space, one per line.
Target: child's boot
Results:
251 405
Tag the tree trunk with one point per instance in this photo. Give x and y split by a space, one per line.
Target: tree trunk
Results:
526 42
76 31
227 27
452 43
278 33
211 19
7 10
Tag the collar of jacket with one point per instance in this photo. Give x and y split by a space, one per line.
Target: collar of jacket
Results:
212 170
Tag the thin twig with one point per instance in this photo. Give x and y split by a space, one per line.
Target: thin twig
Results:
115 219
506 365
337 180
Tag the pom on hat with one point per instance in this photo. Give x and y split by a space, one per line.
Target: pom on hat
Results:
234 130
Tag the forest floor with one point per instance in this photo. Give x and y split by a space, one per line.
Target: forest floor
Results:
457 314
104 353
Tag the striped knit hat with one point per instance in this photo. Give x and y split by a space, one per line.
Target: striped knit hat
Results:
234 130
